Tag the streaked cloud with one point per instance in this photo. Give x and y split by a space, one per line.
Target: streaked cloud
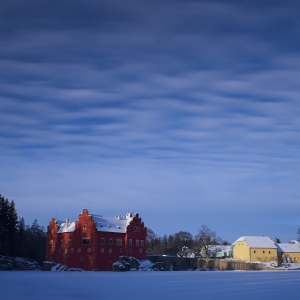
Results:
152 104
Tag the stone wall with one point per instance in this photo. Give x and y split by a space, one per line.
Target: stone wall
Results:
173 262
223 264
182 263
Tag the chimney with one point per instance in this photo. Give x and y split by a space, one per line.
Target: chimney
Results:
67 223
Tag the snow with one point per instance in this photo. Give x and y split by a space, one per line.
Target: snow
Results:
36 285
112 224
64 228
285 247
257 241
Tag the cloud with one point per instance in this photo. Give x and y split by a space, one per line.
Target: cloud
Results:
159 101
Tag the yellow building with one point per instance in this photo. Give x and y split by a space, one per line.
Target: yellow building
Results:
290 251
255 248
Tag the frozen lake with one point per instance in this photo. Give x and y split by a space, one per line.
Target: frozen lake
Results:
150 285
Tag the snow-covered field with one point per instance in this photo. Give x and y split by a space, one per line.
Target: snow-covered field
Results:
150 285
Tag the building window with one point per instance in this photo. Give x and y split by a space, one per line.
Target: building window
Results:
66 250
130 250
51 243
102 250
85 241
137 243
121 250
110 250
84 226
110 241
263 251
62 242
119 242
81 258
142 243
136 229
79 250
69 242
269 252
65 258
51 258
102 241
254 251
72 250
59 250
130 242
89 250
141 250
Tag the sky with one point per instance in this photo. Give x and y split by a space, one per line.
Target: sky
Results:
186 112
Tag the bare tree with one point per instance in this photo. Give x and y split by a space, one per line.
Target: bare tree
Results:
205 240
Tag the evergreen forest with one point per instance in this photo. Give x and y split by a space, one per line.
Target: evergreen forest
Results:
17 238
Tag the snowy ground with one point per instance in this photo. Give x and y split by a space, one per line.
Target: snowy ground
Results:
150 285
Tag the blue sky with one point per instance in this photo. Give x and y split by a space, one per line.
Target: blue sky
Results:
187 112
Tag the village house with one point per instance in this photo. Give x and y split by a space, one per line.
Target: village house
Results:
255 248
95 242
289 252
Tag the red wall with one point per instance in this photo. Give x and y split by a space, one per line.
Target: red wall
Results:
94 256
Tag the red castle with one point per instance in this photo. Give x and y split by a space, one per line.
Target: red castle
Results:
95 242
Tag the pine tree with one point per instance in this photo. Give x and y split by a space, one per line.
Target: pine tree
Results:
12 229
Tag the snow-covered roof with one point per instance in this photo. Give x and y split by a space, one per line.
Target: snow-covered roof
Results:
256 241
112 224
286 247
63 228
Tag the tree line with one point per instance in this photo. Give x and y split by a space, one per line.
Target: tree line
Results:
18 239
183 243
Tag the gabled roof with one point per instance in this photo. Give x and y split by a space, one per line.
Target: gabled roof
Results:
112 224
285 247
256 241
63 228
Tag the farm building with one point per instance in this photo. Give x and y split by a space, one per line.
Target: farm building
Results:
95 242
289 252
255 248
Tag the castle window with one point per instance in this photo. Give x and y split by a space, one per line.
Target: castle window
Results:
84 226
110 241
130 242
85 241
72 250
79 250
141 250
102 250
254 251
137 243
121 250
119 242
89 250
102 241
69 242
263 251
65 258
130 250
110 250
142 243
51 258
81 258
136 229
62 242
58 250
66 250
